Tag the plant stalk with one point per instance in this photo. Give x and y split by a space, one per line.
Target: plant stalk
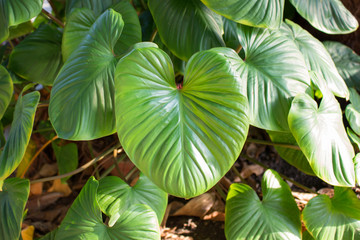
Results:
80 169
281 175
273 144
37 154
153 35
50 16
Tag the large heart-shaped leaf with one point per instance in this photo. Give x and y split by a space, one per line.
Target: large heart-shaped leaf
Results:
84 220
275 73
38 57
320 133
20 133
185 137
263 13
187 26
13 198
275 217
15 12
329 16
336 218
80 22
292 156
6 90
114 194
81 103
95 5
346 61
316 57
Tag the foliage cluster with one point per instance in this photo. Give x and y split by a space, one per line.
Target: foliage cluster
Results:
180 82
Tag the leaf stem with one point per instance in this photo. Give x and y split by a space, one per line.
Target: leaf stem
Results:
238 49
80 169
37 154
220 192
153 35
237 173
273 144
282 175
57 21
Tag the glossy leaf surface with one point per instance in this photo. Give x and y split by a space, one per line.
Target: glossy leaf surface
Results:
81 20
275 73
66 158
185 137
81 103
13 198
353 117
6 90
346 61
38 57
353 136
20 133
320 133
84 220
316 57
114 195
336 218
292 156
329 16
187 26
256 13
357 167
275 217
95 5
15 12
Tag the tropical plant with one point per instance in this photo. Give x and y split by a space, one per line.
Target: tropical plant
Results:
180 82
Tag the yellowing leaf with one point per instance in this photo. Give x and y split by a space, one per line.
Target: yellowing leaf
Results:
29 153
28 233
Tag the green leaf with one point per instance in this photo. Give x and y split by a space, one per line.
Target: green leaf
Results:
307 236
38 57
187 26
114 194
26 160
292 156
20 30
256 13
50 236
13 198
353 117
328 16
80 22
336 218
275 73
6 90
20 133
131 33
319 132
2 137
81 103
84 220
95 5
275 217
346 61
15 12
185 137
355 138
316 57
66 157
357 167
